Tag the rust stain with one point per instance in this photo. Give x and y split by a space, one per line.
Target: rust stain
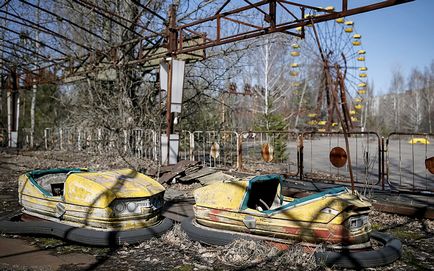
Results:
213 215
292 230
267 152
429 164
338 157
279 246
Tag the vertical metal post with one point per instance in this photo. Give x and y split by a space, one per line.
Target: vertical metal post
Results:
191 150
13 109
99 139
61 138
239 152
218 30
381 167
172 34
155 143
344 5
46 138
79 140
300 155
272 14
125 141
169 126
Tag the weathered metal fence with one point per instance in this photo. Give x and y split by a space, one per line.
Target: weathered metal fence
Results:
141 143
365 154
270 151
215 149
406 163
401 161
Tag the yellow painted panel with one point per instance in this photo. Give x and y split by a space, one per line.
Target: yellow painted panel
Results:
221 195
98 189
225 201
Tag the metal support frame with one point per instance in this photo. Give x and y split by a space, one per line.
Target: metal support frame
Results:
175 34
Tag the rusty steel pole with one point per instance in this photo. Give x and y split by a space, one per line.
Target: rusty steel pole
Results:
335 103
172 45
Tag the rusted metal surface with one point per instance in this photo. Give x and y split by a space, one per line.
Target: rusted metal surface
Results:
338 157
221 205
175 34
401 209
215 150
429 164
267 152
272 26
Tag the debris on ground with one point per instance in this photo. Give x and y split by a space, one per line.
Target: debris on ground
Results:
174 251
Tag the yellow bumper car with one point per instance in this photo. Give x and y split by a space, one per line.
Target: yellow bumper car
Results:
256 209
97 208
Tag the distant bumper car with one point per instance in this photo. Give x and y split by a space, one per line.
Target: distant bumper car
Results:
96 208
256 209
419 140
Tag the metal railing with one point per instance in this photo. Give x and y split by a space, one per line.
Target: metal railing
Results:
397 162
365 154
405 167
271 151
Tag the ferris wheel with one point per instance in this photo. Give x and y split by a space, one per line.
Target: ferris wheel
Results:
331 61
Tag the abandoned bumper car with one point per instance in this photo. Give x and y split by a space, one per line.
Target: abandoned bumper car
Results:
256 209
96 208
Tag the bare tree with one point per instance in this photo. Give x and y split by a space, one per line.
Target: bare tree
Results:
396 89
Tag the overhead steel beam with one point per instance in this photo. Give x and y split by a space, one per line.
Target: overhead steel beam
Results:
281 27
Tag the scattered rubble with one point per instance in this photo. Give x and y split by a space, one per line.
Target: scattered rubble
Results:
174 251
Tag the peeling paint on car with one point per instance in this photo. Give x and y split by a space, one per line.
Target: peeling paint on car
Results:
219 205
87 198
